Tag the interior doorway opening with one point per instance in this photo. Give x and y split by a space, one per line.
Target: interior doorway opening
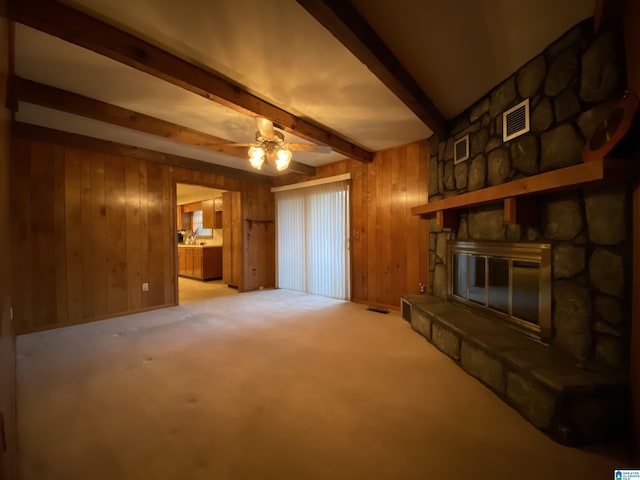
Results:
200 243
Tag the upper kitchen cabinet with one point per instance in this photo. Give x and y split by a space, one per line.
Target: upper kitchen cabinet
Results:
212 213
208 214
217 207
183 219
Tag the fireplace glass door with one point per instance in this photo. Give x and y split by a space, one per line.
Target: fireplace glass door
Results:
509 280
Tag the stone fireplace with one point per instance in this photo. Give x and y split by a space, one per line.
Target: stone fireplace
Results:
571 86
573 257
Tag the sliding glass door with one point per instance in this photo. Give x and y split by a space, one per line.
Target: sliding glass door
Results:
312 239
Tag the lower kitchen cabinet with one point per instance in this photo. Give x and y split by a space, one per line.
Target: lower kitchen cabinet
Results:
201 262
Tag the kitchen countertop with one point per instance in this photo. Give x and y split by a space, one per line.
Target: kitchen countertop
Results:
201 246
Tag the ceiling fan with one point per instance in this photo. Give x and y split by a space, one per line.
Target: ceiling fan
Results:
270 146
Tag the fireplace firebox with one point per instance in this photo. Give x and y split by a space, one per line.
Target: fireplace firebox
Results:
511 281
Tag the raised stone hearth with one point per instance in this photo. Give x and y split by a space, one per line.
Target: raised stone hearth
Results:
574 402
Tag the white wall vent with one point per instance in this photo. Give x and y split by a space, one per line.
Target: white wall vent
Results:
515 121
461 149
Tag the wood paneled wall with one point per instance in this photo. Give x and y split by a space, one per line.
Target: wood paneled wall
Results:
389 246
8 463
89 228
258 238
632 44
632 47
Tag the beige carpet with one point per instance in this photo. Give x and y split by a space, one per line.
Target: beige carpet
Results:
190 290
268 385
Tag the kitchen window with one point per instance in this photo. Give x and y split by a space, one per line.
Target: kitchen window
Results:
196 225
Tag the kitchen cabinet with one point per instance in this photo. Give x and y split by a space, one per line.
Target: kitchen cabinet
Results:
200 262
183 219
232 239
208 214
217 210
191 207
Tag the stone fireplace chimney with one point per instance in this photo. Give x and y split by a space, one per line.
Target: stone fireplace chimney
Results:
570 87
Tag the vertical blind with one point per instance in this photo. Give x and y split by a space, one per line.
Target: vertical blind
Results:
312 237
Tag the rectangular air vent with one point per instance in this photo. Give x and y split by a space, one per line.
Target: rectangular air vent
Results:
515 121
461 149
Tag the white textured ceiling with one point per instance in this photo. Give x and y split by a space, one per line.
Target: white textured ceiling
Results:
456 50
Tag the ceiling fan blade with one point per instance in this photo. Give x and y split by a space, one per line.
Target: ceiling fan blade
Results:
303 147
224 145
265 127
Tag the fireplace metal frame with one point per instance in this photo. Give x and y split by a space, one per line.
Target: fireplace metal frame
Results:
539 253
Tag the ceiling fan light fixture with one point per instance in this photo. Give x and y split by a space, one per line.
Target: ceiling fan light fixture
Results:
256 157
283 158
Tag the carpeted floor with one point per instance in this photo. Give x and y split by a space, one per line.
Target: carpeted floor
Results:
190 290
268 385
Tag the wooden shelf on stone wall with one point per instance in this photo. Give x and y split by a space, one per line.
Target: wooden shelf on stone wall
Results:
519 195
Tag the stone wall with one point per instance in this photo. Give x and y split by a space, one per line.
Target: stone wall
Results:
571 86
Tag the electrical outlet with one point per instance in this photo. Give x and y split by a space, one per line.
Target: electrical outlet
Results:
253 272
145 287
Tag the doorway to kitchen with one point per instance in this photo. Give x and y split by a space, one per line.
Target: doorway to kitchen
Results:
200 243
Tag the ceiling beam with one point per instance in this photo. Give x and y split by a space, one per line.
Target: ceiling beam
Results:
352 30
63 100
88 32
59 137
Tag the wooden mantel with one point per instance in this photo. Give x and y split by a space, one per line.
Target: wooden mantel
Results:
596 172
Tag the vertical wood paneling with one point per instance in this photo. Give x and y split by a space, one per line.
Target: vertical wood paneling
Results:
134 233
22 291
155 276
117 293
401 262
371 234
8 454
143 244
385 228
632 47
98 243
109 220
412 182
632 44
60 235
635 321
73 241
389 246
360 267
86 220
420 193
258 203
42 262
169 238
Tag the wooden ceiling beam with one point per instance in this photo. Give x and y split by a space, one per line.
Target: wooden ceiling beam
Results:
352 30
59 137
75 27
63 100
